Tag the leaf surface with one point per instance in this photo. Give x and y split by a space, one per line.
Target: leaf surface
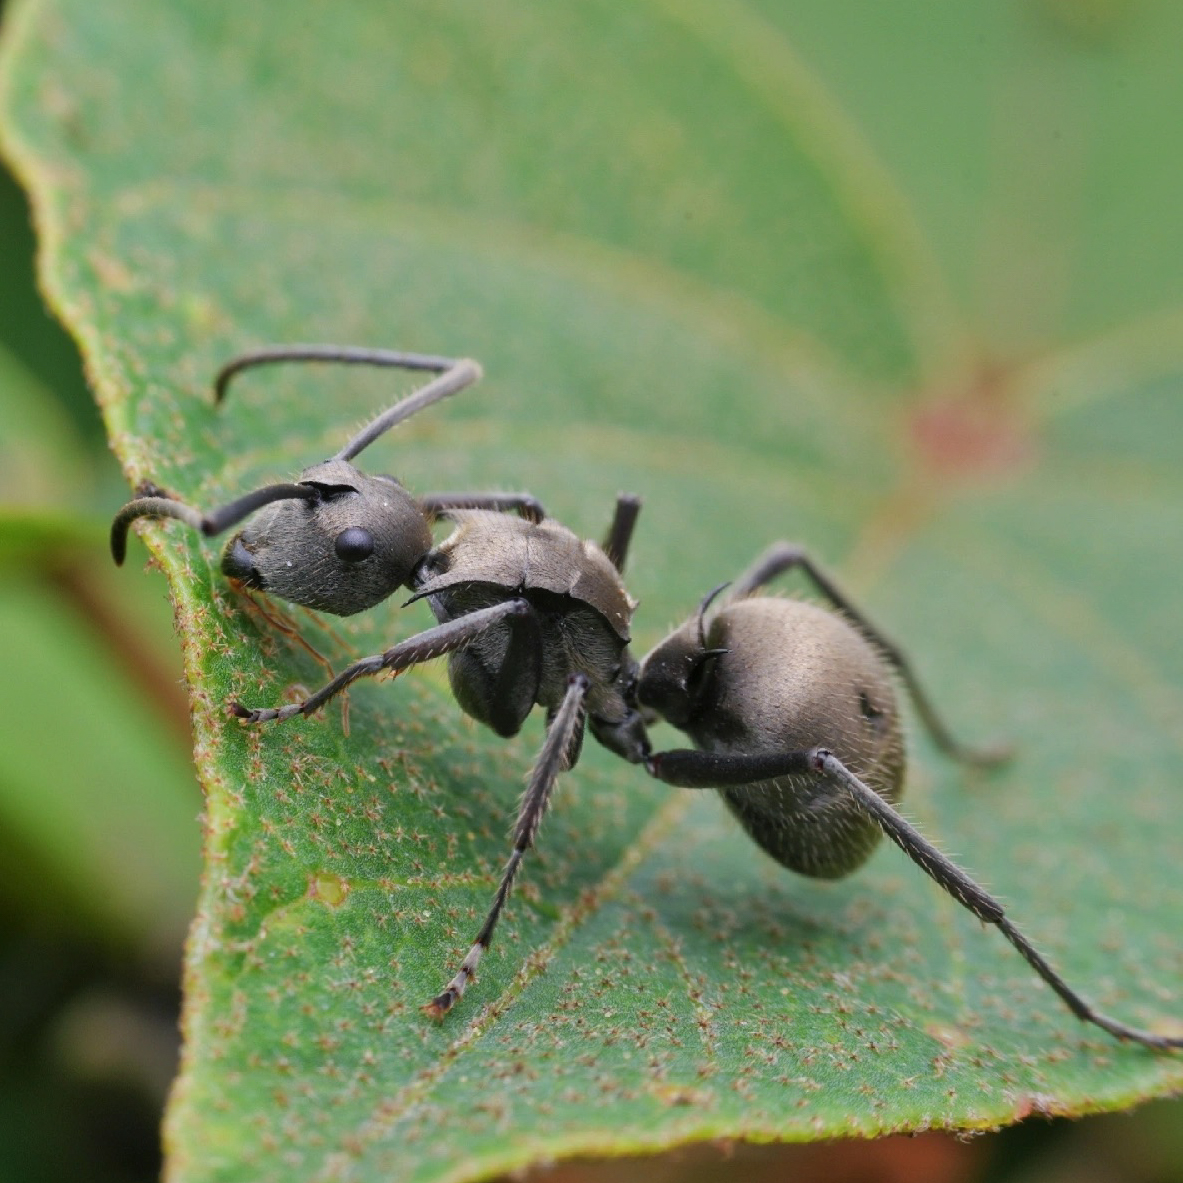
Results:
685 277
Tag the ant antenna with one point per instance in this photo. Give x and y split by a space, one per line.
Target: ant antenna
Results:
454 375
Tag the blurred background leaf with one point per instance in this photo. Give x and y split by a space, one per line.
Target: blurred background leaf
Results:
629 256
99 837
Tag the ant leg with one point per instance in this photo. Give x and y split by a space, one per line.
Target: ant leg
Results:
700 770
156 506
528 506
571 756
564 729
620 532
425 646
967 893
782 557
285 625
499 688
688 768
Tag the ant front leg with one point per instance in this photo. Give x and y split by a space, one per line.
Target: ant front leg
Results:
564 733
425 646
689 768
782 557
283 624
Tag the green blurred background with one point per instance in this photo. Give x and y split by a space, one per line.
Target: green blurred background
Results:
99 806
1047 136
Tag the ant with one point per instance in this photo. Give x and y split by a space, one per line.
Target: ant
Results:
793 714
791 706
528 613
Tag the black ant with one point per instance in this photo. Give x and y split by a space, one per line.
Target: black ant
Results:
529 613
792 707
793 713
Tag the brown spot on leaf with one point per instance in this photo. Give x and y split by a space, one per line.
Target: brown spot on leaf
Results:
971 429
1037 1104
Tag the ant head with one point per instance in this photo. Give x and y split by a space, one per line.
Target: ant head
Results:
342 551
623 730
674 673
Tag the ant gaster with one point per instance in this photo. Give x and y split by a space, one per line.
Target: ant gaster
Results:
528 613
793 714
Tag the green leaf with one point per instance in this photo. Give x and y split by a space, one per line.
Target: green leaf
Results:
686 277
1034 142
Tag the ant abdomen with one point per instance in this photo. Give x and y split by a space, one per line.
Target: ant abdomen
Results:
791 677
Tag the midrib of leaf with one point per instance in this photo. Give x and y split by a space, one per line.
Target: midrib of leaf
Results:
656 829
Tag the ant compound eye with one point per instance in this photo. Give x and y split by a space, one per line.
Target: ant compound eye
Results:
354 544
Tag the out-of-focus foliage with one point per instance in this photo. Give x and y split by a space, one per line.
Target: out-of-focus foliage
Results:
98 802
